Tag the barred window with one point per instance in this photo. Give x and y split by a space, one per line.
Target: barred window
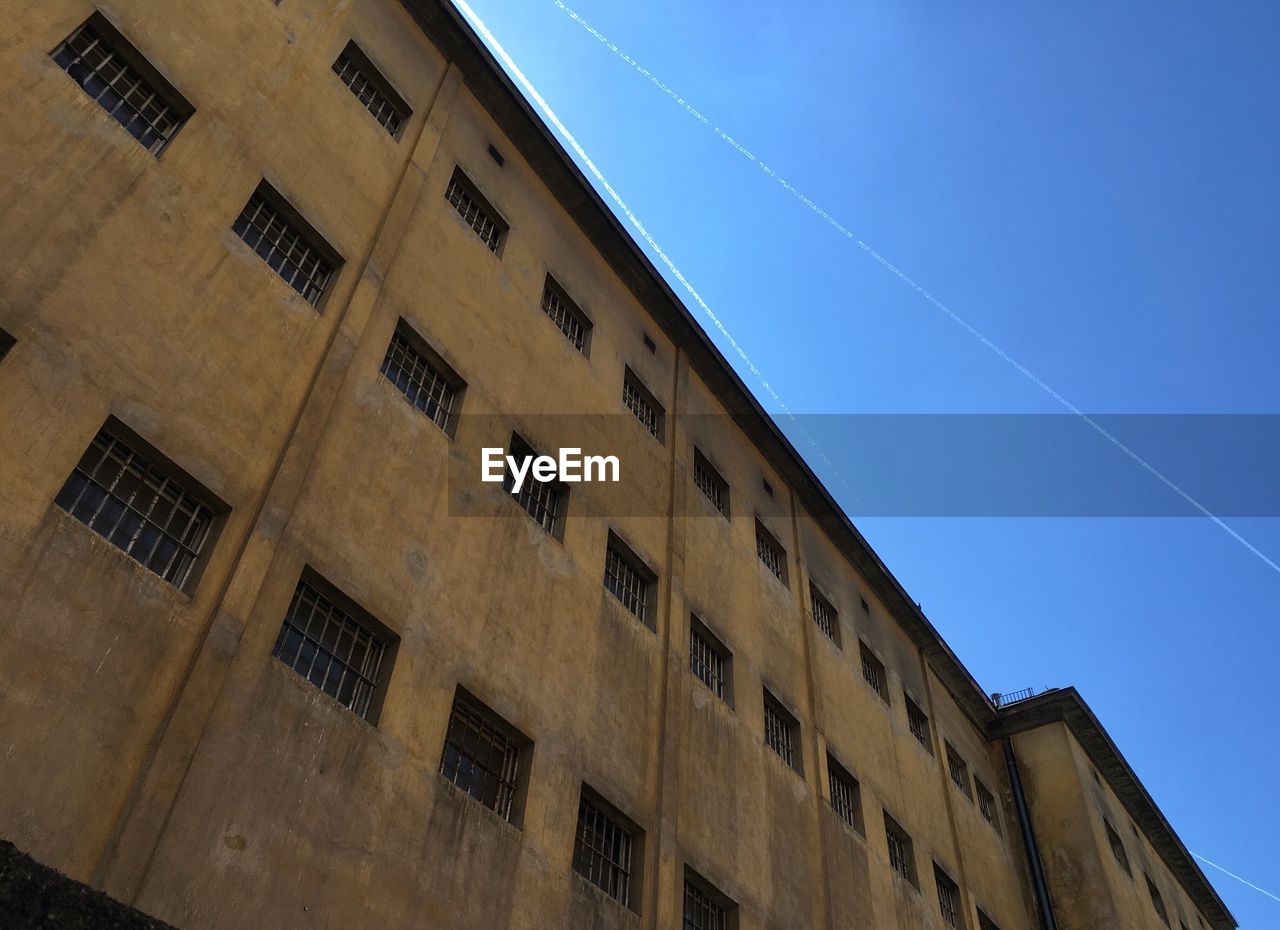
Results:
985 922
844 793
565 314
289 246
542 500
918 723
704 907
781 731
824 615
771 552
1157 901
1117 847
948 898
334 645
901 853
710 482
640 402
422 377
482 755
139 503
604 847
709 660
959 771
373 90
986 804
475 210
873 671
120 80
627 579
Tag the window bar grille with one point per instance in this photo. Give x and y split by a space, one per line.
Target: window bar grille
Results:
638 404
871 671
707 663
488 228
899 850
824 615
701 912
419 381
331 649
709 483
540 499
283 247
602 851
843 793
769 552
89 57
626 584
480 758
948 898
918 723
129 502
556 306
363 85
777 732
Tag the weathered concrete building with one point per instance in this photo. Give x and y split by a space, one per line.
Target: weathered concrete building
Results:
273 655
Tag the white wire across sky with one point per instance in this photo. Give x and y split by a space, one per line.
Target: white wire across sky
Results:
533 94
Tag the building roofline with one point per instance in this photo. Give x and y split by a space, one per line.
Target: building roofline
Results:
490 84
493 88
1065 705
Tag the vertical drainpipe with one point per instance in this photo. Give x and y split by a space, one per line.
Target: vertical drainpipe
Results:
1029 841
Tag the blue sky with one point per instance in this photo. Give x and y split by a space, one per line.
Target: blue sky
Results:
1090 185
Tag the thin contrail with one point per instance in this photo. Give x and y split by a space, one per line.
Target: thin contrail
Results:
1242 881
550 114
897 272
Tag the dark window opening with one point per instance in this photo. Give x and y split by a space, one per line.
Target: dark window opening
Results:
709 660
604 847
287 243
901 852
475 210
986 804
642 403
120 80
140 503
824 614
650 344
627 578
985 922
571 321
1157 902
771 553
497 156
374 91
873 672
705 908
7 342
781 731
482 756
710 482
336 646
948 899
918 723
542 500
420 375
1117 847
958 769
845 798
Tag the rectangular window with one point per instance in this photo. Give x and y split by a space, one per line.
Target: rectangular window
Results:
781 731
845 800
824 615
918 723
373 90
705 908
1117 847
709 660
140 503
985 922
710 482
482 756
542 500
475 210
986 803
948 898
287 243
873 671
642 403
901 853
336 646
771 552
566 315
424 380
959 771
603 848
627 578
1157 902
121 81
